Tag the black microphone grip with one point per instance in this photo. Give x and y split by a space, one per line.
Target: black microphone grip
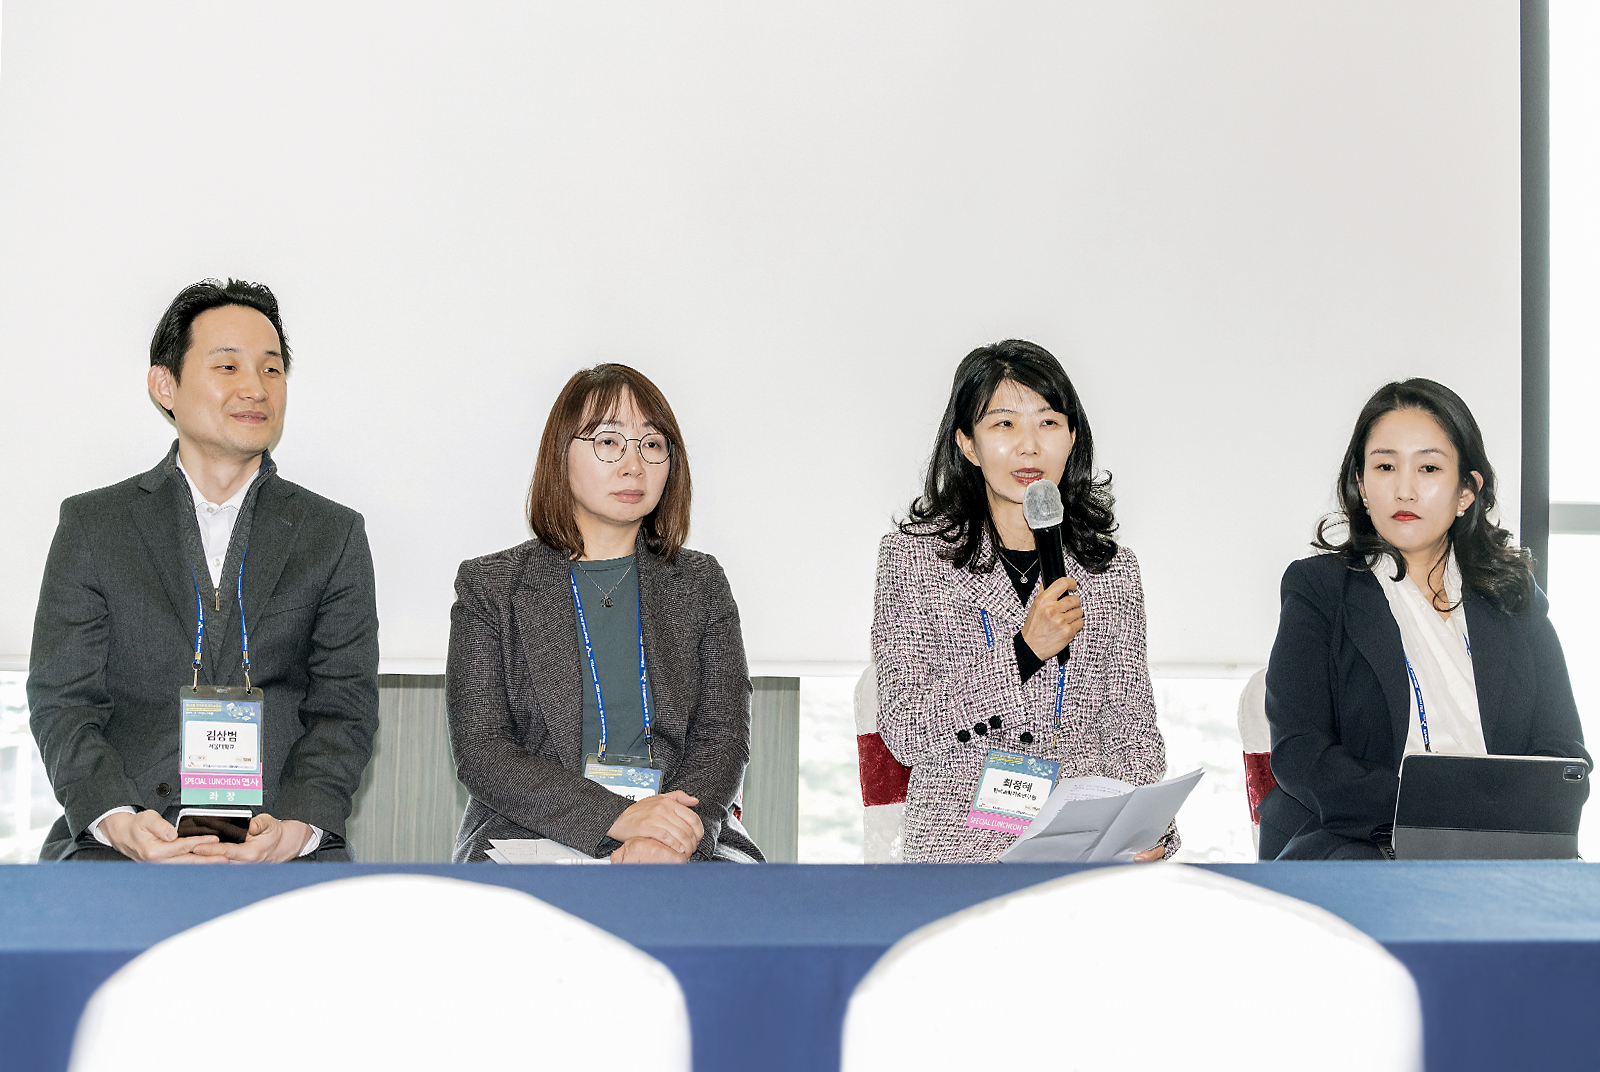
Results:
1052 566
1052 558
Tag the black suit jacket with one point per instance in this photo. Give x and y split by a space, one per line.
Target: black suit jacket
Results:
113 641
1339 698
514 684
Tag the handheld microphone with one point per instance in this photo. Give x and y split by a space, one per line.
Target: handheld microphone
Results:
1042 509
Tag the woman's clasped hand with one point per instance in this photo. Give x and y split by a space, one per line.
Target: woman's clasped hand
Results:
659 829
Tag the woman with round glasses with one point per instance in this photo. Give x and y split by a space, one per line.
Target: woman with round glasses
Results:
1420 629
596 683
972 659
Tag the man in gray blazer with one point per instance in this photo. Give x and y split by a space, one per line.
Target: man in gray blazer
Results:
211 526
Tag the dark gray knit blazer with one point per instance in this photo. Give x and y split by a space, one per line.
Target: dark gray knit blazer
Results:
514 684
113 639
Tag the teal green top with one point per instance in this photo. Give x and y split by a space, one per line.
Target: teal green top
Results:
614 634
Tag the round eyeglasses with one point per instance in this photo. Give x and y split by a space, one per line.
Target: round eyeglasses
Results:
609 447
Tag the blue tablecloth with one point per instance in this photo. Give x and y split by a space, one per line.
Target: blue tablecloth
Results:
1507 955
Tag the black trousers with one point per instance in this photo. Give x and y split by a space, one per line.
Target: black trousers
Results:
1322 844
333 850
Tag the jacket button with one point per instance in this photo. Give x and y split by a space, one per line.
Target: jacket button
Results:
163 790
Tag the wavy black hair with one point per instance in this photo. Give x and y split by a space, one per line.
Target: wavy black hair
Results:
954 505
1490 563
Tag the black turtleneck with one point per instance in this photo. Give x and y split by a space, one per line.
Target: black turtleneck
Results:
1022 568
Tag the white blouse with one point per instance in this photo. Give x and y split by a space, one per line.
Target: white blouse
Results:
1439 657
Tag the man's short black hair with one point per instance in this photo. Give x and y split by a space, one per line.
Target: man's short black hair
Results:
174 333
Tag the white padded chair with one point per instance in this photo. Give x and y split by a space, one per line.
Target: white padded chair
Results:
384 971
883 779
1256 736
1130 968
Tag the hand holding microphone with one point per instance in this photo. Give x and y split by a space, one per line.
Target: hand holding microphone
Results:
1056 616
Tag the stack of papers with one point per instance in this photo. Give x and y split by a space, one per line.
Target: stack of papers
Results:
537 851
1086 820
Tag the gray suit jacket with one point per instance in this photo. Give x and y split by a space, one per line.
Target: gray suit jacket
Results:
513 684
113 641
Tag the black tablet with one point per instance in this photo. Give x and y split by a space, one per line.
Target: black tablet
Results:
1455 807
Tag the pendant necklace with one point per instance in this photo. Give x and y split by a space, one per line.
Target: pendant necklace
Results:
1022 574
605 596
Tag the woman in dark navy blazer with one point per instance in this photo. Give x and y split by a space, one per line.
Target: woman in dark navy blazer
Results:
1416 493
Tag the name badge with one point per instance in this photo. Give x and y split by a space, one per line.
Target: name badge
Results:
624 776
1011 791
220 730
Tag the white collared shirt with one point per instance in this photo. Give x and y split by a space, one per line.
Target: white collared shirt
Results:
1439 653
216 522
216 533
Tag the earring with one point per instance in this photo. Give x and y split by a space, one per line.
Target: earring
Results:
1461 511
1363 502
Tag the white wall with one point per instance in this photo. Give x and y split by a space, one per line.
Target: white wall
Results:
1231 221
1574 250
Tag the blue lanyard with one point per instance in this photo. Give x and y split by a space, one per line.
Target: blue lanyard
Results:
1061 667
594 673
200 624
1422 712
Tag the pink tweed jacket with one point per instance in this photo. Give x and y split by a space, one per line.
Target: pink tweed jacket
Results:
938 673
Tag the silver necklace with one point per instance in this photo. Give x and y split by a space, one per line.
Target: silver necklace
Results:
1022 574
605 600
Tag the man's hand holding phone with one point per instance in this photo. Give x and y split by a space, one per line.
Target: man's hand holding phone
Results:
148 837
270 841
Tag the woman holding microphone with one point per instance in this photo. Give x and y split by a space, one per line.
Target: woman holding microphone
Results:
1421 629
970 655
596 683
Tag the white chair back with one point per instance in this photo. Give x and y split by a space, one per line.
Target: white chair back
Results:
1256 736
1254 732
1147 966
384 971
882 805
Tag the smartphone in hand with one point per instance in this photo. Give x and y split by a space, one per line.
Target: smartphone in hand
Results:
231 825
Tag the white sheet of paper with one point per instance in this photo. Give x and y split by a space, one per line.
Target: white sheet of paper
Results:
537 851
1148 812
1061 849
1091 787
1084 820
1096 802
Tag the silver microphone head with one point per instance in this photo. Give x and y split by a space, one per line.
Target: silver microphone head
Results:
1041 505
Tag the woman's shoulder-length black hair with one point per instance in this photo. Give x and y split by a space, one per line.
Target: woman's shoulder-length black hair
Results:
954 505
1490 563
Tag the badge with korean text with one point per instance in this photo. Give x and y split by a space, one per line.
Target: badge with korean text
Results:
220 736
624 775
1011 791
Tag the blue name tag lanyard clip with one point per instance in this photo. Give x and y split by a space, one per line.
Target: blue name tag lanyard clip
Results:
594 673
1061 666
200 624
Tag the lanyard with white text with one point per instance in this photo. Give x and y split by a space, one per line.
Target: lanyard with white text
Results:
594 674
200 624
1061 667
1422 713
